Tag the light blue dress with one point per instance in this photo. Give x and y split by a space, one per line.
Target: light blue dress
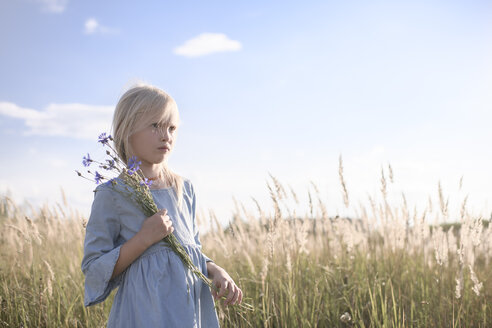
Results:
155 290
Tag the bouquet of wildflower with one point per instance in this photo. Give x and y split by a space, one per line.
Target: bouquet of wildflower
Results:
136 188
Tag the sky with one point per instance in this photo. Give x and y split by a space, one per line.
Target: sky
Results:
279 88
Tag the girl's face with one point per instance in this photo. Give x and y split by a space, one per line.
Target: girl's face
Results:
153 143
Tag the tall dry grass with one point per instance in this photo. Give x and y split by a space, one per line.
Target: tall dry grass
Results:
385 267
41 284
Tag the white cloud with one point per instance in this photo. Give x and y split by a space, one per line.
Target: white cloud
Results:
207 43
70 120
53 6
92 26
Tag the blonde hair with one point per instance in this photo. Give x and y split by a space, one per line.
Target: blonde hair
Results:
137 108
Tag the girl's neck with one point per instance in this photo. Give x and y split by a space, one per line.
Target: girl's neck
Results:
155 174
152 171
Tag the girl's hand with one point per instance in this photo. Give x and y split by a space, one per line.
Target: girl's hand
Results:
225 285
156 227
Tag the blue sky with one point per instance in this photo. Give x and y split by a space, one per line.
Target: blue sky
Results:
262 87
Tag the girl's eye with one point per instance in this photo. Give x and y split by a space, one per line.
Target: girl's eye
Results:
172 128
155 125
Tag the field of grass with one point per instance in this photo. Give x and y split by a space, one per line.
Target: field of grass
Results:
386 268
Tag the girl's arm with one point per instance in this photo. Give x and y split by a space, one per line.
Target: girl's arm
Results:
224 283
153 229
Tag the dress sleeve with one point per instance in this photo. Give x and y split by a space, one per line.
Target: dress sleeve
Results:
195 226
100 250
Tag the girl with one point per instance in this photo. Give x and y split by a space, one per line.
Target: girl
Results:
124 248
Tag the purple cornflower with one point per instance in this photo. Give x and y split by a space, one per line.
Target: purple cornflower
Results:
133 165
109 166
98 178
111 163
87 160
146 181
103 138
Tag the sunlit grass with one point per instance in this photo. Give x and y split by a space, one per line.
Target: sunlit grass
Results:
386 268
